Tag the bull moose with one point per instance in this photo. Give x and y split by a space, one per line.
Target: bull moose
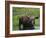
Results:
27 22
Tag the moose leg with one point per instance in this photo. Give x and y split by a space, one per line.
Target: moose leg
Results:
20 25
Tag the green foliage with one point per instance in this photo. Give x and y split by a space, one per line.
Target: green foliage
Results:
18 12
37 24
26 11
15 22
